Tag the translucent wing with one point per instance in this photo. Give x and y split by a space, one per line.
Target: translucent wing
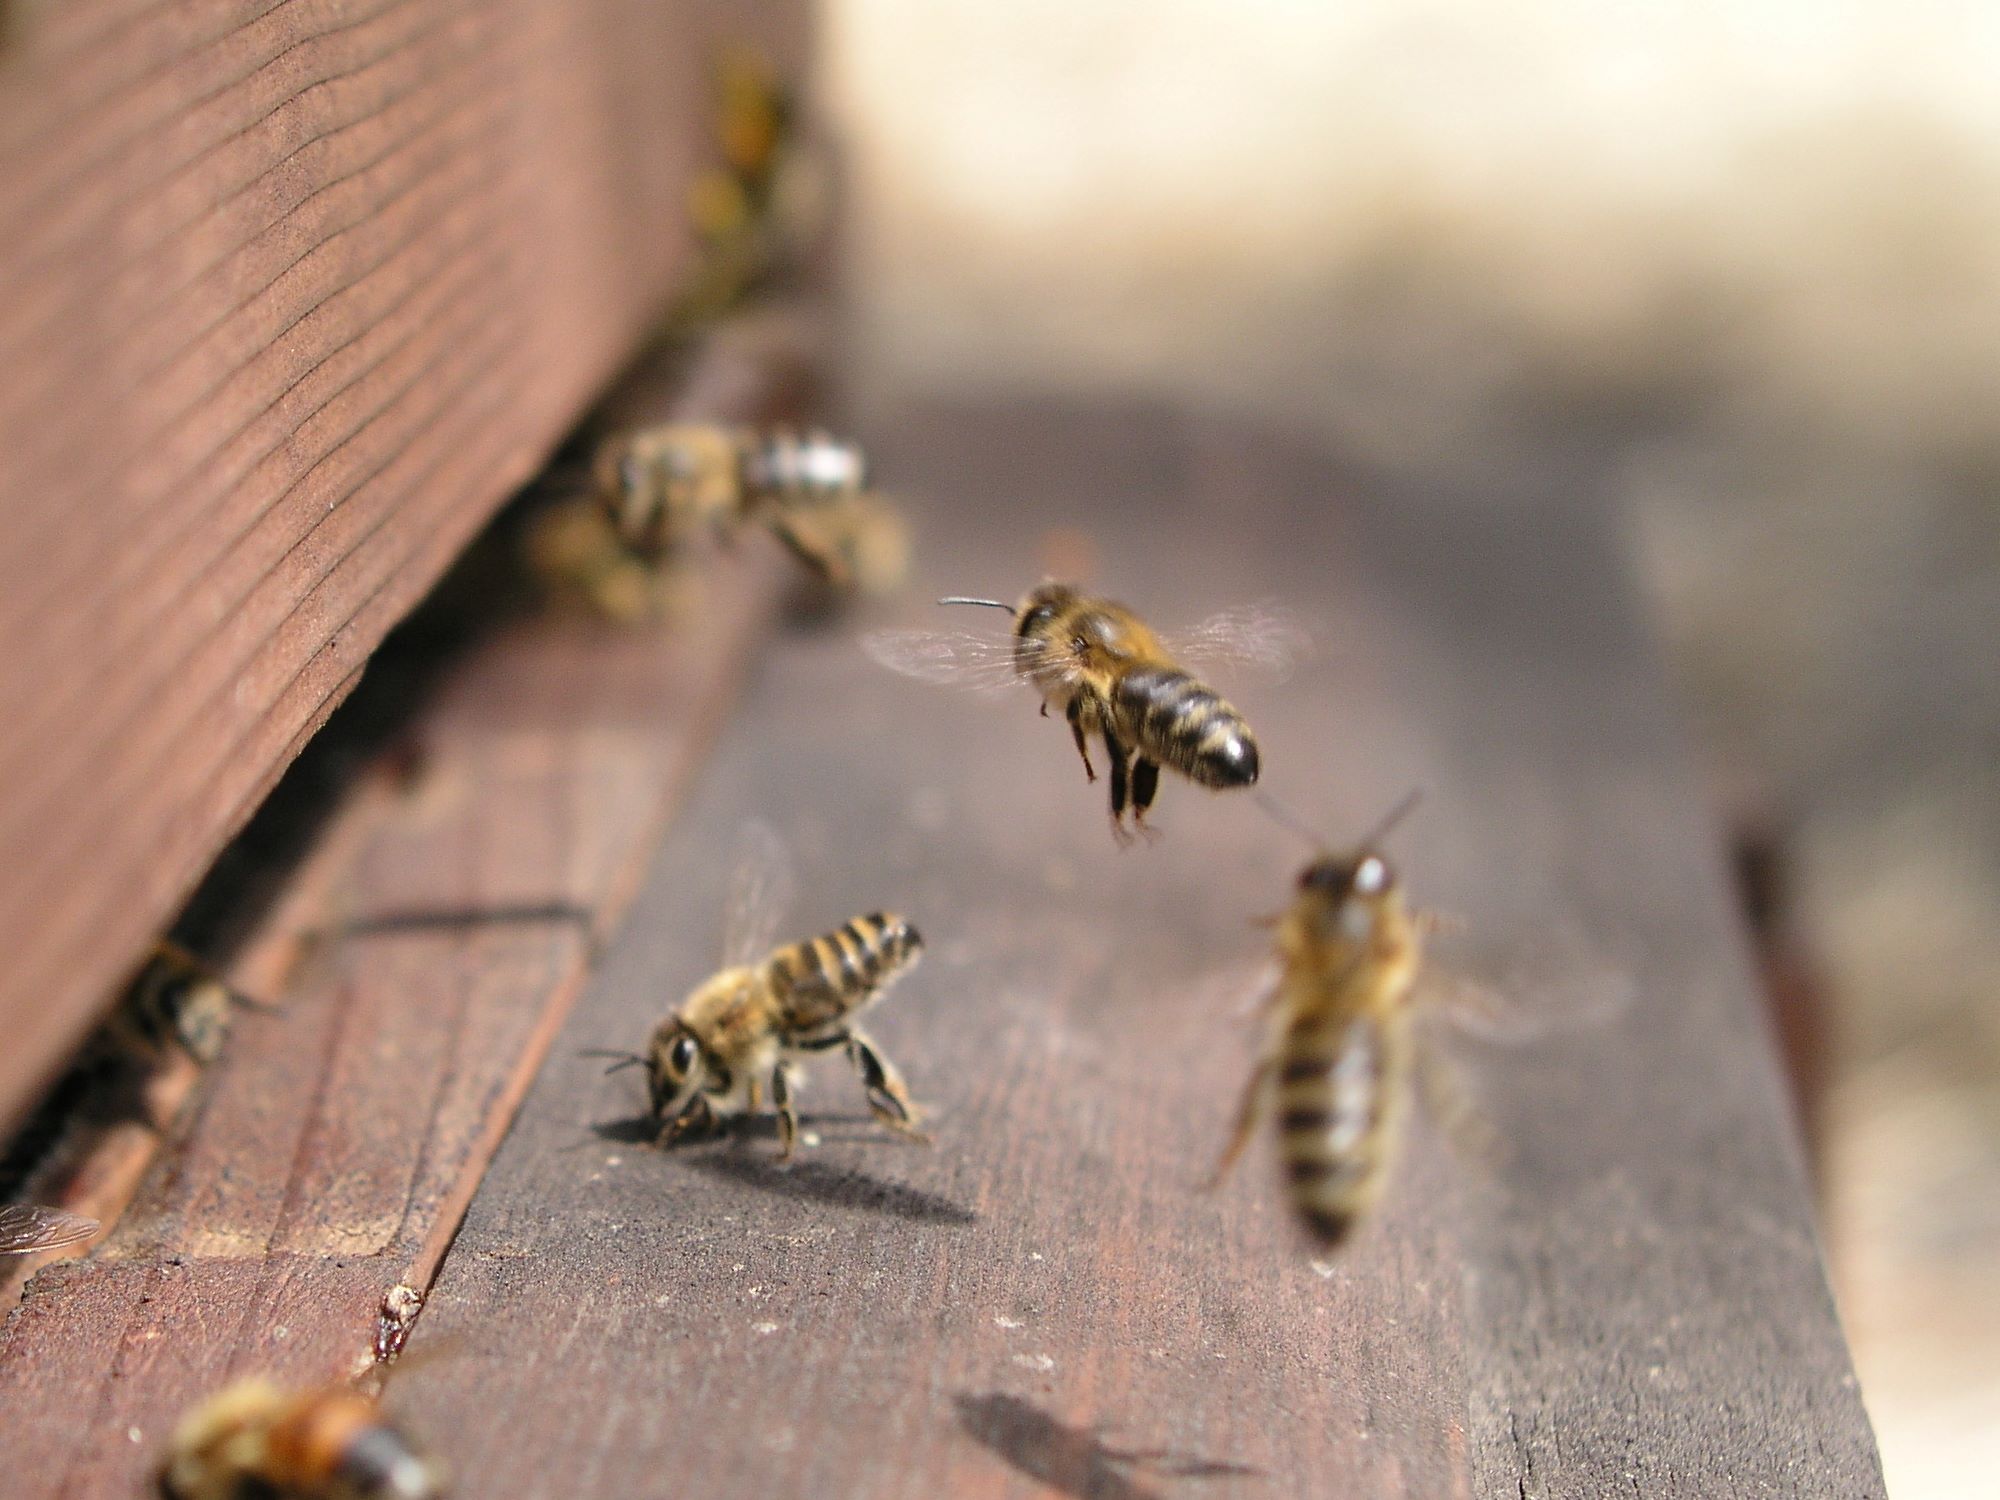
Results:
949 658
1265 638
1527 987
26 1228
760 893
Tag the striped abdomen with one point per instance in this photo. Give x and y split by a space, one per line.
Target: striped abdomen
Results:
793 470
1341 1085
1180 722
820 983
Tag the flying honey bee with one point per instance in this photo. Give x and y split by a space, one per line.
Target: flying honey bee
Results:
1338 1063
254 1439
29 1229
178 1000
1113 677
765 1009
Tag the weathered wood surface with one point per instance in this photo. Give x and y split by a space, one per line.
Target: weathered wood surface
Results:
440 929
1627 1298
291 296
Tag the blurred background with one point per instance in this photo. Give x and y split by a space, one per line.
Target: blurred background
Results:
1745 255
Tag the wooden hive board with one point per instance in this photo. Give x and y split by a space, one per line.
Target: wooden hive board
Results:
1625 1296
435 932
292 295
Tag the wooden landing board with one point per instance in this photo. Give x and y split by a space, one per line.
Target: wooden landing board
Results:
292 296
1627 1297
329 1155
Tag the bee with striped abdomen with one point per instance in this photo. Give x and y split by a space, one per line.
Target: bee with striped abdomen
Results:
664 486
1338 1063
1113 678
754 1020
253 1439
29 1229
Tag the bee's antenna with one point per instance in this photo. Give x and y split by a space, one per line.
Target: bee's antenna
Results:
1285 818
1396 815
625 1059
986 603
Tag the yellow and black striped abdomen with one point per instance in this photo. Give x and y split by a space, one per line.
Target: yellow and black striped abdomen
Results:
822 982
1178 721
1341 1087
793 470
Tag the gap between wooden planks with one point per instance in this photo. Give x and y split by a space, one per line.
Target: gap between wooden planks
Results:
331 1153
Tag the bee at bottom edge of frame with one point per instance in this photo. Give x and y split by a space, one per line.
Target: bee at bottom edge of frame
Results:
254 1439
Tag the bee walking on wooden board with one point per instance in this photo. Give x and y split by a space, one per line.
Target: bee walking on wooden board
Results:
255 1440
1114 679
753 1021
29 1229
1338 1062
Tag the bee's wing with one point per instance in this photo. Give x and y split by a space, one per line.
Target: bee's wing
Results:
1266 638
949 658
26 1228
760 893
1525 988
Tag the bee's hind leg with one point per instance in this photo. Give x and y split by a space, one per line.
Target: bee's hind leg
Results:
1114 748
1250 1111
1145 785
888 1095
788 1114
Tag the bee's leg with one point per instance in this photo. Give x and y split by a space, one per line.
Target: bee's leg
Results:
1076 728
1145 783
1115 750
888 1095
754 1096
697 1119
1249 1113
817 552
788 1115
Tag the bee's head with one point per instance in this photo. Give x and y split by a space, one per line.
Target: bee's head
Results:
677 1066
1350 893
1041 607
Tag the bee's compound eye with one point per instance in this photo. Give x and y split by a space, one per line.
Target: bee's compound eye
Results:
1371 876
1036 618
681 1057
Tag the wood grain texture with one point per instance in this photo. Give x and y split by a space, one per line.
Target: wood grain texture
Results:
440 929
1627 1297
292 295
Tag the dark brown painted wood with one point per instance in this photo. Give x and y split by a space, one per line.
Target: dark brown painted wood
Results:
1625 1295
434 938
292 295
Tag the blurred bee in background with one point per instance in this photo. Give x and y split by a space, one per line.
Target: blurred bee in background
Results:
255 1440
760 204
177 1000
1340 1060
1114 678
29 1229
658 490
766 1009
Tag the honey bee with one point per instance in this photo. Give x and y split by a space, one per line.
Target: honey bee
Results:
180 1001
29 1229
254 1439
1338 1063
1113 677
766 1009
665 484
